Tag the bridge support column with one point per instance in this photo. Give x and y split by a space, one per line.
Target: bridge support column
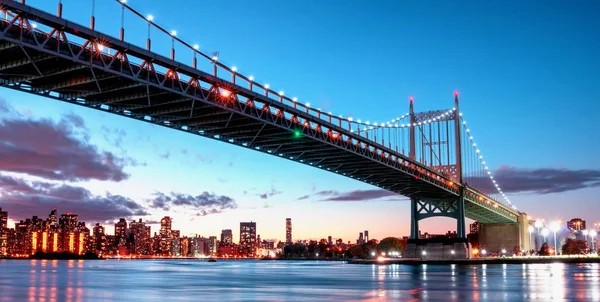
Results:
414 219
460 218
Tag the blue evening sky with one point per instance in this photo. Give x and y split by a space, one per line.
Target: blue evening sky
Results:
528 73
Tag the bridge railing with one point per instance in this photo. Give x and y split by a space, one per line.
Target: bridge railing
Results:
347 129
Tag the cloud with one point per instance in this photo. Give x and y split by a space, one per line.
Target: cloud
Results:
203 159
355 195
205 203
165 155
271 193
5 107
55 151
538 181
115 136
23 199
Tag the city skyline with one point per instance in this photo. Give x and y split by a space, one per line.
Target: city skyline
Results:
117 167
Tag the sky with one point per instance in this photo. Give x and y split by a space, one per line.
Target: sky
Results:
527 73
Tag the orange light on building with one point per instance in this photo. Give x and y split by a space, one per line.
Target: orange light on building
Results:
33 242
475 252
71 242
80 251
44 241
55 242
450 183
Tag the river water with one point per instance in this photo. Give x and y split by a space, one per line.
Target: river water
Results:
249 280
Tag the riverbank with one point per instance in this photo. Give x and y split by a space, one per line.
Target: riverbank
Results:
477 261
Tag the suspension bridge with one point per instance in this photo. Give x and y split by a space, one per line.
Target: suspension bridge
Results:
430 157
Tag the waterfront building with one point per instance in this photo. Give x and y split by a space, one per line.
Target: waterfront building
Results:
120 233
247 239
288 230
99 239
576 224
3 233
166 236
226 236
139 234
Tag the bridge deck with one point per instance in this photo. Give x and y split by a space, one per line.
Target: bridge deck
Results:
33 62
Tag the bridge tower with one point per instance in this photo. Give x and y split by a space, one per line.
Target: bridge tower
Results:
452 166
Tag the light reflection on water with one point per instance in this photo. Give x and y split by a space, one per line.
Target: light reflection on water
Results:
244 280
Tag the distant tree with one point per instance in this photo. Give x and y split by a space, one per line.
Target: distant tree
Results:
574 247
358 251
544 250
295 251
391 244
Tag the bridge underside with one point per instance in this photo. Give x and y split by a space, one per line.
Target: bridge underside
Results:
53 67
35 71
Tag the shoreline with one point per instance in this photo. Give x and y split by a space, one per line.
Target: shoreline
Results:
479 261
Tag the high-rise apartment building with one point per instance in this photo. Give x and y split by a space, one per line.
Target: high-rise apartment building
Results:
52 219
226 236
366 236
3 219
68 222
212 244
121 233
288 230
247 239
3 233
474 227
140 235
166 236
99 239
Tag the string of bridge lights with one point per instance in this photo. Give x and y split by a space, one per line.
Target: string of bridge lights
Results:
234 69
393 123
390 124
485 166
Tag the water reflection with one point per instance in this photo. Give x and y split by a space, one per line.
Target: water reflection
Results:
73 281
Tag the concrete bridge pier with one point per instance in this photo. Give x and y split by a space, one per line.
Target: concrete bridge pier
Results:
511 237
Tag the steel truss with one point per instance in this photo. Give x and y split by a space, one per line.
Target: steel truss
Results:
247 119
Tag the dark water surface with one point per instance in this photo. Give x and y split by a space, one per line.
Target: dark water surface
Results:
247 280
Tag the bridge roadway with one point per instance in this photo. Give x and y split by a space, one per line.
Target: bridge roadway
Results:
190 100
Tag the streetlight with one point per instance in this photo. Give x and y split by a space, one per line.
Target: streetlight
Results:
150 18
483 252
373 254
555 227
545 233
593 235
530 229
